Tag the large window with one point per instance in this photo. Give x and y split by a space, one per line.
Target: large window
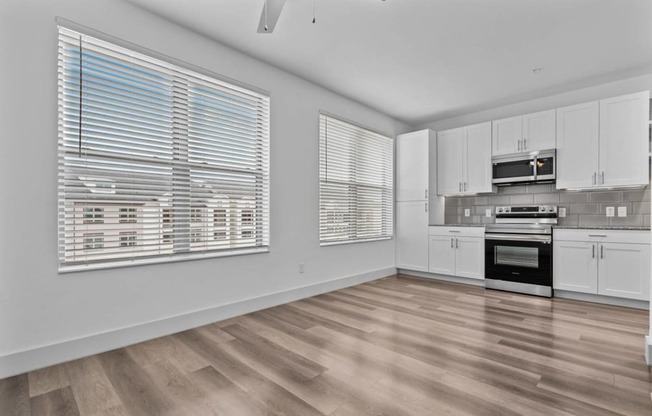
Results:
156 161
355 183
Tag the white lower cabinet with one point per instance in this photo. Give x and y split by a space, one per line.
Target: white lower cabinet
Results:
609 263
457 251
412 235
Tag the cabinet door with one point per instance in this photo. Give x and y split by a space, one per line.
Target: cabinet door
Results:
477 163
441 257
539 131
624 140
469 257
450 153
507 135
412 235
575 266
577 146
412 166
624 271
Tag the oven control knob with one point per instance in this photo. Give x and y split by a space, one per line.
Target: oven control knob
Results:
500 210
508 209
542 209
551 209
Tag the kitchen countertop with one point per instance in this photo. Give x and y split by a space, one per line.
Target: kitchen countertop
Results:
564 227
602 227
457 225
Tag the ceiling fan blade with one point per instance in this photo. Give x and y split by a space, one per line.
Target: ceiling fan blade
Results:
270 17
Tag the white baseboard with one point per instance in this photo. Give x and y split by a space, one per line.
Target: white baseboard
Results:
648 350
453 279
45 356
608 300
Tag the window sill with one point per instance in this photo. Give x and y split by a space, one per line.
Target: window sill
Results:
159 260
366 240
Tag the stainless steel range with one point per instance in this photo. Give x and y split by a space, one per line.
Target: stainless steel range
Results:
518 250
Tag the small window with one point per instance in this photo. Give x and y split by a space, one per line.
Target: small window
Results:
219 224
93 241
128 215
247 222
93 215
127 239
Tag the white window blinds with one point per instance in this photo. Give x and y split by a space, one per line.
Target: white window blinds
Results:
155 161
355 183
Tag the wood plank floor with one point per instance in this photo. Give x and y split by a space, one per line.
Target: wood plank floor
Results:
396 346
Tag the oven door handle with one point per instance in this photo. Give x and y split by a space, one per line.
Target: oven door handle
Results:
519 237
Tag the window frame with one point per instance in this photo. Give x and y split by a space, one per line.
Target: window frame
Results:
355 239
167 220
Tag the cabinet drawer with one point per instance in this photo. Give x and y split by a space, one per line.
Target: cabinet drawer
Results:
603 236
457 231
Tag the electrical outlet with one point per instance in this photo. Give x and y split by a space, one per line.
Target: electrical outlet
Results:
487 212
610 211
622 211
562 212
301 267
467 212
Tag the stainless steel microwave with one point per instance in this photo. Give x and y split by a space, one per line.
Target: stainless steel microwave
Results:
527 167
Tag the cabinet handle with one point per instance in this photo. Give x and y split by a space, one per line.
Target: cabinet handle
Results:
426 207
597 235
456 245
465 186
595 174
426 193
524 143
519 145
603 177
460 187
593 251
451 243
601 251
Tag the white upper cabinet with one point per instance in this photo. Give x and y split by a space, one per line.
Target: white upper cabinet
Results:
604 144
450 154
463 160
577 145
526 133
412 166
539 131
477 163
507 135
623 140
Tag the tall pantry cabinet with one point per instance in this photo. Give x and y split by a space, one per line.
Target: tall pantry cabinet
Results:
417 203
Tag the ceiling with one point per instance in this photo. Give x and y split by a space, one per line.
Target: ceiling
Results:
424 60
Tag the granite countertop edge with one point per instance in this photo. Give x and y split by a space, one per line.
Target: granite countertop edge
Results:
457 225
564 227
602 227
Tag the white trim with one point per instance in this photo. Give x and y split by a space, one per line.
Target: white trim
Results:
159 260
28 360
446 278
648 350
607 300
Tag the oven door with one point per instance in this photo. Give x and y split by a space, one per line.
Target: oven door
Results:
519 258
514 170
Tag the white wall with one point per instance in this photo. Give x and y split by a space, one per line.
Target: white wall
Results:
41 308
597 92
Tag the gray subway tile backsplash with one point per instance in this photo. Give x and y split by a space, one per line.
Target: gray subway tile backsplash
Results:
585 208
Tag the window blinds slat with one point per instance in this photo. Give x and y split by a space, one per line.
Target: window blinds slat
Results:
356 183
155 160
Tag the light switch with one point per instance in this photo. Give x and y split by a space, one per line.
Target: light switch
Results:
487 212
562 212
610 211
467 212
622 211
